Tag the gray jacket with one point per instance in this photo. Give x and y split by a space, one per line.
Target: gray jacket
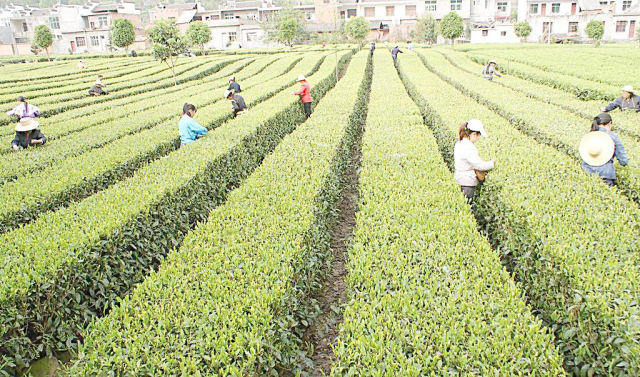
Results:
488 71
608 170
632 103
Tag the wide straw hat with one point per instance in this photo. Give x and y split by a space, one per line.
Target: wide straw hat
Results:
26 124
596 148
302 78
628 88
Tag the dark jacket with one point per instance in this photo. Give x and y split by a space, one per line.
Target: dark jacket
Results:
235 87
632 103
238 104
373 47
96 89
23 141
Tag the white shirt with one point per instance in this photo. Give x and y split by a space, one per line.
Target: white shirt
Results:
466 161
99 82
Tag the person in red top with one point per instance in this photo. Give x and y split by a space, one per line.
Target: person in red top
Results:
305 95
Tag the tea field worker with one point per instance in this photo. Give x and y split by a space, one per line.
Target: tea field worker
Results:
489 70
238 106
410 45
305 95
469 167
629 101
599 147
98 87
372 48
134 54
324 44
81 65
24 110
233 85
188 128
394 53
27 134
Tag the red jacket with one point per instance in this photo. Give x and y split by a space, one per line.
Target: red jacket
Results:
304 92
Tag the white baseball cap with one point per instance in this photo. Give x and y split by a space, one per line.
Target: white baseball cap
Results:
476 125
628 88
227 93
302 78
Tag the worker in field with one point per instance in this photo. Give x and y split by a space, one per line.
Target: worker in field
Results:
238 106
24 110
27 134
410 45
233 85
81 65
305 95
629 101
98 88
598 149
395 52
188 128
489 70
372 48
470 169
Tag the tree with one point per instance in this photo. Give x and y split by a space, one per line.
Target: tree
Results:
167 43
358 28
276 22
451 26
288 30
35 49
123 33
43 38
595 31
199 34
427 29
522 30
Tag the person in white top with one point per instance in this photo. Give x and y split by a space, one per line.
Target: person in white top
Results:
98 88
81 65
467 162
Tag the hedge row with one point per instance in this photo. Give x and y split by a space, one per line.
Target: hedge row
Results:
78 177
88 255
625 122
545 122
237 289
427 295
122 54
570 241
583 89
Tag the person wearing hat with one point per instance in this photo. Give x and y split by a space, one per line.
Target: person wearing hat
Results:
628 101
81 65
98 87
468 165
372 48
238 106
24 110
233 85
394 53
188 128
27 134
305 95
489 70
599 147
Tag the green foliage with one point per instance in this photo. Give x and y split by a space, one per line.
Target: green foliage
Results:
522 29
286 26
43 38
167 42
595 31
288 30
357 28
451 26
228 314
199 34
427 29
123 33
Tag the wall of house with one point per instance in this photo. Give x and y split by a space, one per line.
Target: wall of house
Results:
498 34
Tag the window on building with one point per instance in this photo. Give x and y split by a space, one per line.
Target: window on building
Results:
95 41
555 8
54 23
25 27
503 33
22 40
456 4
252 37
103 21
603 3
343 14
502 6
5 22
573 27
309 16
486 4
626 4
233 36
351 13
533 8
228 16
326 1
430 5
391 11
80 42
485 33
410 10
215 17
369 12
621 26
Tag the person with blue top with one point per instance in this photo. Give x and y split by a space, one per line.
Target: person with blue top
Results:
189 129
598 149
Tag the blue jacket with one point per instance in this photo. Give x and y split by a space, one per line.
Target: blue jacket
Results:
632 103
608 170
190 130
